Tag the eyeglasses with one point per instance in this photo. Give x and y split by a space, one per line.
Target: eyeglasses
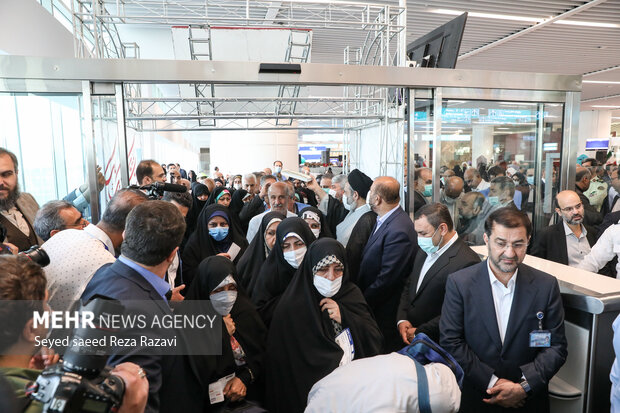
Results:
571 208
503 245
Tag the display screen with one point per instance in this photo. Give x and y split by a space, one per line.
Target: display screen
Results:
595 144
94 406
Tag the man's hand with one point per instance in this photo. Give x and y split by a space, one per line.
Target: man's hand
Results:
235 389
225 255
136 387
44 358
406 331
13 248
507 394
176 293
316 188
264 191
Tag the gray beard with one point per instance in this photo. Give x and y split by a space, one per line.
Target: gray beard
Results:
9 202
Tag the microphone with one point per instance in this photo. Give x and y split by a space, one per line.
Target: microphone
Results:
161 186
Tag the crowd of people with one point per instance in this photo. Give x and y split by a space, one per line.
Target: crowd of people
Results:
318 281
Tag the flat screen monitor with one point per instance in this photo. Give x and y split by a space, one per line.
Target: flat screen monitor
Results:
597 144
439 48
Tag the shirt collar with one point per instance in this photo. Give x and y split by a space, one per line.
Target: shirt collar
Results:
382 219
443 249
569 231
160 285
493 279
96 232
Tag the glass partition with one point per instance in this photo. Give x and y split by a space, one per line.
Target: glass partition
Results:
476 156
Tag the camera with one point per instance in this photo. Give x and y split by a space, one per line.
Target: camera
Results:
156 189
81 382
35 253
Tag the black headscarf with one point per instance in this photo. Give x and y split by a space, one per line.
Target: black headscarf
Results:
202 245
250 331
301 341
198 189
325 231
236 201
255 255
276 273
216 193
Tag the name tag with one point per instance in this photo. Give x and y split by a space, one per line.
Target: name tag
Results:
345 341
540 338
216 389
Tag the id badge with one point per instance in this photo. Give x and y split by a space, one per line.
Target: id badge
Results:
540 338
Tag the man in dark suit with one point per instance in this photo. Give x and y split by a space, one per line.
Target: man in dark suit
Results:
422 186
152 235
488 317
568 241
582 183
441 253
387 257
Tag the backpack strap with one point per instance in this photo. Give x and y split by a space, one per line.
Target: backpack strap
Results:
424 402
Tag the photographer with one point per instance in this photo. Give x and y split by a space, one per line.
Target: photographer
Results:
21 279
75 255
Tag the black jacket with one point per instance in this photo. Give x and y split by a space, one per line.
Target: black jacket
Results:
550 243
470 333
423 308
591 216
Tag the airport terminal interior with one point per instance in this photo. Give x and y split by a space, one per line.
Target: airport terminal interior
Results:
381 205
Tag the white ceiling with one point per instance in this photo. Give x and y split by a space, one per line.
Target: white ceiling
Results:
554 48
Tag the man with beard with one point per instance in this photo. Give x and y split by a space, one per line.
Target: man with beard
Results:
503 322
17 210
280 196
568 241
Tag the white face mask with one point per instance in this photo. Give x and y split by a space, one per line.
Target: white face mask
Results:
237 186
223 301
345 202
294 258
332 192
326 287
316 232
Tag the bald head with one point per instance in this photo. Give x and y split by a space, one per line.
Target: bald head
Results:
569 207
453 187
384 195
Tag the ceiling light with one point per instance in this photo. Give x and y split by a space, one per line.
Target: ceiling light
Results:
607 106
587 24
607 82
487 15
452 12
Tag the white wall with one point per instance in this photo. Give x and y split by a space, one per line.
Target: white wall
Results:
27 29
248 151
593 124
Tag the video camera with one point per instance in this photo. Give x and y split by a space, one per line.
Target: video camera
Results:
81 382
35 253
156 189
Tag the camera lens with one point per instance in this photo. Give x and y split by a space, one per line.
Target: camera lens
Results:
37 255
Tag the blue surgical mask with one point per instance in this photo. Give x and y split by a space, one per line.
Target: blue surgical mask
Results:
426 244
530 180
428 190
278 169
443 180
493 200
218 233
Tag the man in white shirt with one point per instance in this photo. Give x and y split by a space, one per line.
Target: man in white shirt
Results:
386 383
503 322
280 194
605 249
441 253
474 180
75 255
